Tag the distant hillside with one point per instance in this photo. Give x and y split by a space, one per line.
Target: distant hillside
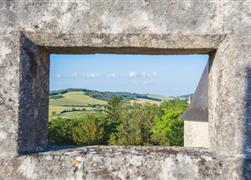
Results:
163 98
79 103
185 97
103 95
167 98
74 98
73 105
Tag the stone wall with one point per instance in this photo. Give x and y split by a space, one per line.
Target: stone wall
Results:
221 28
113 163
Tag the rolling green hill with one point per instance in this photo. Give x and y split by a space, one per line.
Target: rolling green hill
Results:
77 103
72 103
103 95
163 98
75 98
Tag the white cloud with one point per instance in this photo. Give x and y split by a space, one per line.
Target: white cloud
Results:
92 75
112 75
133 74
88 75
149 74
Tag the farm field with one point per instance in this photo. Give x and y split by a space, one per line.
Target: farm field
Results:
144 101
75 98
74 105
79 104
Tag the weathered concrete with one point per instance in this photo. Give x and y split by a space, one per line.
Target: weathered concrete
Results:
221 28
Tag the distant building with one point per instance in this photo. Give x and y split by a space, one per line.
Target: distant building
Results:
189 100
196 130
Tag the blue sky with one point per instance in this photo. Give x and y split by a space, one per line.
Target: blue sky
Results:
169 75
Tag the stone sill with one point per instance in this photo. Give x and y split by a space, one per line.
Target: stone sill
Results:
113 162
136 150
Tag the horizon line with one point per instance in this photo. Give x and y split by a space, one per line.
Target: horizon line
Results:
119 92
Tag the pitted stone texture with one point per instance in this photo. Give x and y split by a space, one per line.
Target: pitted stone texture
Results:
218 27
8 18
33 97
9 73
115 163
127 16
237 15
229 80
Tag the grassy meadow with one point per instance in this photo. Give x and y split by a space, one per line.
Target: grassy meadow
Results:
79 104
74 105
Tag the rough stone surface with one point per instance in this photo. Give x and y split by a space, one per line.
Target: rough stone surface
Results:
32 29
114 163
33 100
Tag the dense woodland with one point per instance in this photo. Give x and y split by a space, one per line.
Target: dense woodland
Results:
122 123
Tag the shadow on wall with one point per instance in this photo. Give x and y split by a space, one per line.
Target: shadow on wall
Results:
247 136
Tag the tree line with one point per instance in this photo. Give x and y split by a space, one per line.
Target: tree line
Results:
123 123
101 95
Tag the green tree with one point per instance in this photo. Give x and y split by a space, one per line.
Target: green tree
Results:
60 131
168 128
113 109
88 132
125 123
135 128
113 112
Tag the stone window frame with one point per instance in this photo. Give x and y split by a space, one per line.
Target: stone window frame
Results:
35 50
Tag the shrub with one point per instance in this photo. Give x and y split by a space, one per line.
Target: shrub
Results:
60 131
168 127
135 127
113 112
88 132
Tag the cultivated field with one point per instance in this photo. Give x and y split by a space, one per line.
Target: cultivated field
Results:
79 104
